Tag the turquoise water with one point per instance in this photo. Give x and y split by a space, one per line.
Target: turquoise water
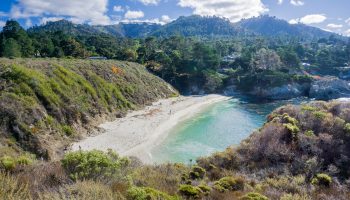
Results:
214 129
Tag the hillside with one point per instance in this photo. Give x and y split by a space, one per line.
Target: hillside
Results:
197 26
66 27
46 104
273 27
136 30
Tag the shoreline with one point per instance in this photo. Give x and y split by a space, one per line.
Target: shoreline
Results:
140 131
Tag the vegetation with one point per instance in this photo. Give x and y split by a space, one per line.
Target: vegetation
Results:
301 152
271 164
94 164
191 52
48 103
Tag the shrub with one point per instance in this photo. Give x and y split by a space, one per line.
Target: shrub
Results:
229 184
67 130
254 196
190 191
8 163
308 108
93 164
290 119
292 128
309 133
206 189
322 180
347 128
319 114
197 172
145 193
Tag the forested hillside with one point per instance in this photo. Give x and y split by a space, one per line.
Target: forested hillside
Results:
197 64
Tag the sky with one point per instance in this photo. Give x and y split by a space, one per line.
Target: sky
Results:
330 15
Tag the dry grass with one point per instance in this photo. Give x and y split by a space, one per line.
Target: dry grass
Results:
165 178
84 190
13 189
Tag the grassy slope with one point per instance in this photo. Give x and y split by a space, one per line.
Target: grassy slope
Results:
46 103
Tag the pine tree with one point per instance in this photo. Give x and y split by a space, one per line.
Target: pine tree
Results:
12 48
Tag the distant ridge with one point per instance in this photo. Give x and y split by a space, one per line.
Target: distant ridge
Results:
194 26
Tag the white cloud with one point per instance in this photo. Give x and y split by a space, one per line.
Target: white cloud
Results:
294 21
312 19
280 2
2 24
134 14
309 19
347 32
165 19
327 30
28 23
335 26
118 9
149 2
234 10
3 14
297 2
89 11
347 21
44 20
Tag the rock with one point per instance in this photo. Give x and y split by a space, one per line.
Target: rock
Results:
329 88
283 92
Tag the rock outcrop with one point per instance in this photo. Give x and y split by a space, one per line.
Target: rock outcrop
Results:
329 88
282 92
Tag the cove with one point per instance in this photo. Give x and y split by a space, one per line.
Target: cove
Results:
214 129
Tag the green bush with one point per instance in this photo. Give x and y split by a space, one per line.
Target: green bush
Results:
204 188
254 196
8 163
320 114
229 184
145 193
68 130
93 164
309 133
24 160
190 191
292 128
290 119
347 128
308 108
322 180
197 172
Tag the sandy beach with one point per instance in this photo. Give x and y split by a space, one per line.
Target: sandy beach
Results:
140 131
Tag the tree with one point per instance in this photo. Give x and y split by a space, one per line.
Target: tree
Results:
12 48
13 30
289 57
266 59
204 57
73 48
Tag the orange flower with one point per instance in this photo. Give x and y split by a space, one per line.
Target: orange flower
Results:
117 70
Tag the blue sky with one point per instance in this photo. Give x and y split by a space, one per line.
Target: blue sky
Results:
332 15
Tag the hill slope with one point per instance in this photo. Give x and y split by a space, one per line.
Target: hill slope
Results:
45 104
272 27
198 26
212 27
